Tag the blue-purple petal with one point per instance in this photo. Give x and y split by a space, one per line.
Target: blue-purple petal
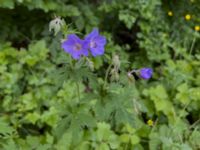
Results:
95 42
94 33
70 46
97 51
146 73
101 40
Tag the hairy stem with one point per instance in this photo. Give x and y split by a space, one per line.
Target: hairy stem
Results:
78 91
106 76
192 46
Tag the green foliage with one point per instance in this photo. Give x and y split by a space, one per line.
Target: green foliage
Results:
50 102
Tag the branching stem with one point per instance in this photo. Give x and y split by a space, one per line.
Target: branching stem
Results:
192 46
106 76
78 91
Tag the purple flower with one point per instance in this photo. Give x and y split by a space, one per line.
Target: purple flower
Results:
95 42
146 73
75 46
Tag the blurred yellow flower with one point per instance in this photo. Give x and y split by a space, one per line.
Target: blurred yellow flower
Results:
170 13
197 28
188 17
150 122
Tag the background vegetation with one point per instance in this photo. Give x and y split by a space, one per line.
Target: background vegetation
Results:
39 105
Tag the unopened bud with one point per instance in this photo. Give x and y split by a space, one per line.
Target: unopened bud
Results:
116 61
114 75
56 25
146 73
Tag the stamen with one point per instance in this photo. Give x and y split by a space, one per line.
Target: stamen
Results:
93 44
77 47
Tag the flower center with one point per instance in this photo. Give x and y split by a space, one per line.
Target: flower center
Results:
93 44
77 47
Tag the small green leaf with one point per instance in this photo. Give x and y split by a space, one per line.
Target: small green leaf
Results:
135 139
32 117
103 146
124 138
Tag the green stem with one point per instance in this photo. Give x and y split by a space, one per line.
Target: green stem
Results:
106 76
78 91
192 46
184 108
126 146
72 64
194 124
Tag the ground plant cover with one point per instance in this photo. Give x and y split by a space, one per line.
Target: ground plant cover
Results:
99 75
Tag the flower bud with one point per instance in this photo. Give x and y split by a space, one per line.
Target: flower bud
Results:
116 61
114 75
56 25
145 73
